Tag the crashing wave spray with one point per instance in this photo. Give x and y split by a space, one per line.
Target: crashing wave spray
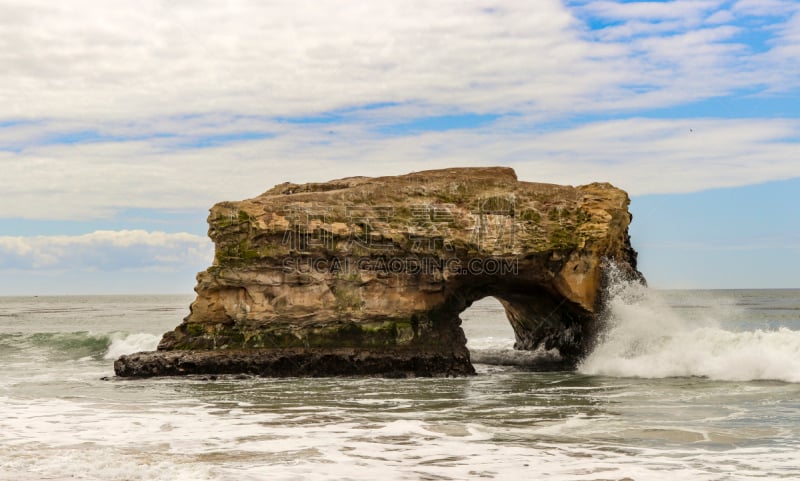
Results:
131 343
645 337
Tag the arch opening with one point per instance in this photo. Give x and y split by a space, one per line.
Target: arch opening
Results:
486 326
547 331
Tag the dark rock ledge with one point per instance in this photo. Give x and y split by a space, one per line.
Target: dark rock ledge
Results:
311 362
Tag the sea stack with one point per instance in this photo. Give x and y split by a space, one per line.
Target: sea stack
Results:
367 276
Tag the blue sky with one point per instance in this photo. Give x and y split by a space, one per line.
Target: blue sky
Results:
122 124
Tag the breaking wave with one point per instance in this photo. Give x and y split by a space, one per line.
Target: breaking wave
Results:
130 344
78 345
646 338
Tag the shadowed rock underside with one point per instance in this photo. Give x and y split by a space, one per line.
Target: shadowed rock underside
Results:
368 276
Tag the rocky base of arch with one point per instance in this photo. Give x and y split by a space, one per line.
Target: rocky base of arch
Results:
314 362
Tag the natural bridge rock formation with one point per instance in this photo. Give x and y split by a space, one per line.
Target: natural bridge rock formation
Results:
367 276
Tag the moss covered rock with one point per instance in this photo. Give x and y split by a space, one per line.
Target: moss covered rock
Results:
385 265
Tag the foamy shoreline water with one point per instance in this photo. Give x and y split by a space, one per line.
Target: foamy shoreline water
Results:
61 421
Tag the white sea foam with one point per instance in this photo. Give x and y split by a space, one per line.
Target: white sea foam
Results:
61 421
131 343
646 338
60 439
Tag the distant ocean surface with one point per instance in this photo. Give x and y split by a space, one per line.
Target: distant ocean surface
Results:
699 385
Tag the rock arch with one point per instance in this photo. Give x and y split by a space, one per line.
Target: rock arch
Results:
368 276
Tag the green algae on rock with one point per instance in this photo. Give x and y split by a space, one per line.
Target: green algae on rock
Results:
367 276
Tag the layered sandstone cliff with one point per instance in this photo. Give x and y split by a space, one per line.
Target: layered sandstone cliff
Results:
368 275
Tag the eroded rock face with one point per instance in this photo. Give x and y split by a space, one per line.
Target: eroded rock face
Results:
369 275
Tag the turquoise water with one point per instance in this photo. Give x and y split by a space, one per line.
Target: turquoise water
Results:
686 384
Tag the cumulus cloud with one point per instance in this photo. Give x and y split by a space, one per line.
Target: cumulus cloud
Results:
640 155
95 59
279 57
106 251
181 104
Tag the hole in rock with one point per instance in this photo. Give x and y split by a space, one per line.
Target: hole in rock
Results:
491 338
486 326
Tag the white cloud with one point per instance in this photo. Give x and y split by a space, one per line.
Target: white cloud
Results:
106 251
785 52
104 60
720 16
93 59
679 9
770 8
640 155
146 81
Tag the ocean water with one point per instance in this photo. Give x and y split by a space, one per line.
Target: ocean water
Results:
701 385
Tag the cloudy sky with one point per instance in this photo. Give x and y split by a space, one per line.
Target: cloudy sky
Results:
121 123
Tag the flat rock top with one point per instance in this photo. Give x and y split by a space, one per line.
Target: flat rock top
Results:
432 178
484 209
460 186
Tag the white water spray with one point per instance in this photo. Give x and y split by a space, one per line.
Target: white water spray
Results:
130 344
646 338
